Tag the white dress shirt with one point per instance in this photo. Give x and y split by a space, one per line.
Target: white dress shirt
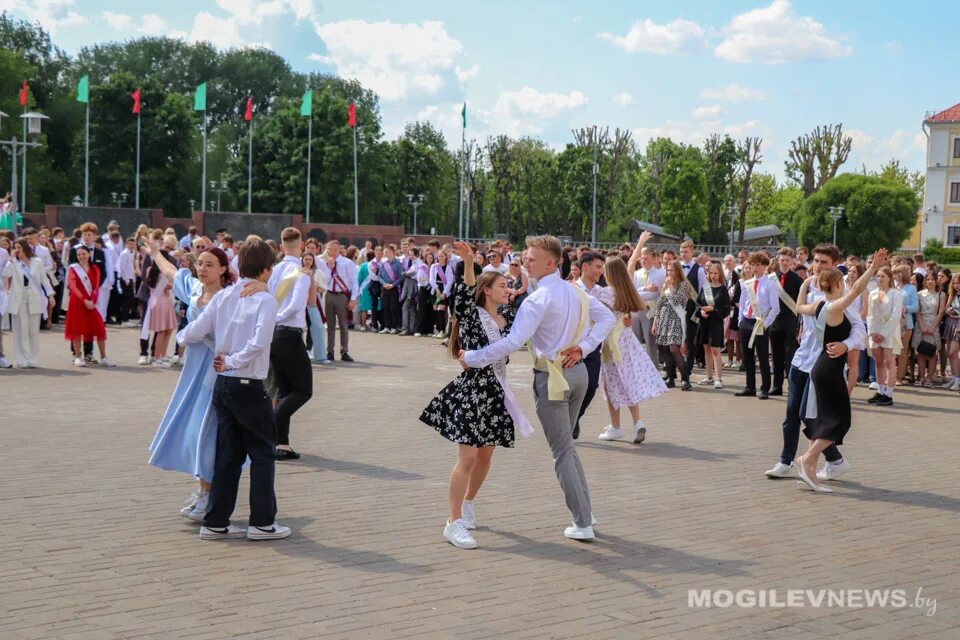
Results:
644 277
44 254
809 350
550 317
292 311
125 268
242 329
346 271
767 300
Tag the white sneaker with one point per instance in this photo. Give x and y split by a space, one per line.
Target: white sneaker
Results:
611 433
190 503
175 361
456 534
718 384
79 362
107 362
384 330
200 508
468 515
953 387
5 364
273 532
213 533
832 471
393 332
874 386
162 363
579 533
131 323
640 432
705 381
144 360
781 470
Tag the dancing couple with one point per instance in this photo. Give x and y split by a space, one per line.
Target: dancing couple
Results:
477 409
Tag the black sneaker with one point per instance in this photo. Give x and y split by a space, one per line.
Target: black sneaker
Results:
745 393
345 357
330 356
286 454
884 401
876 398
670 383
686 386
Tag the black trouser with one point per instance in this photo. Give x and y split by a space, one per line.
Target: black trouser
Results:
376 313
796 394
128 305
391 308
114 307
762 348
783 344
292 375
58 307
245 427
692 347
592 363
425 312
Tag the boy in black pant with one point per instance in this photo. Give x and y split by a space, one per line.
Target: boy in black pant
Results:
242 328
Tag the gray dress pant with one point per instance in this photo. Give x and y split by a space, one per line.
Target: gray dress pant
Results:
641 328
335 306
558 418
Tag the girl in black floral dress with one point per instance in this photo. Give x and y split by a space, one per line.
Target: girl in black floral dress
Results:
477 409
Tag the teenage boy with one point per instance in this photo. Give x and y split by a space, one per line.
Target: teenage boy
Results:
242 329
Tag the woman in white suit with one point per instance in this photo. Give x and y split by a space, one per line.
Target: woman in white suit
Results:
884 313
28 294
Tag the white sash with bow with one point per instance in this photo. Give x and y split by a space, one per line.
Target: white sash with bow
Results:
84 278
520 422
755 310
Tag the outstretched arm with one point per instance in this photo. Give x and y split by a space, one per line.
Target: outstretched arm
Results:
837 308
635 257
802 306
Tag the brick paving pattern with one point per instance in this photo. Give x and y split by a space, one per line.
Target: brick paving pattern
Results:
93 546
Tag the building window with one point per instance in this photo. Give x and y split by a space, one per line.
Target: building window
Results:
953 236
955 192
956 147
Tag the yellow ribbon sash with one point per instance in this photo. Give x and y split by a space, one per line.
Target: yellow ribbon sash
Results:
286 284
557 385
755 308
610 353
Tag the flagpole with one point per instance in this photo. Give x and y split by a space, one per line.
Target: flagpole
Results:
250 170
356 201
203 174
136 191
23 169
309 145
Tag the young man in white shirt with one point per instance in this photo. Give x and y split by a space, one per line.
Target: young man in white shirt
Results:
553 319
591 270
649 280
496 263
759 305
128 280
343 289
242 329
288 352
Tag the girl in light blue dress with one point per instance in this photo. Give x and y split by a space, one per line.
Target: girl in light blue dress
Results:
186 439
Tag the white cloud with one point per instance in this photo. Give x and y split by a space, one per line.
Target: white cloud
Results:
872 151
734 93
395 60
51 14
623 99
711 112
464 75
679 36
221 32
693 133
151 24
319 57
893 47
776 34
523 111
246 12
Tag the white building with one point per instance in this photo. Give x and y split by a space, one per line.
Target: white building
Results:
940 214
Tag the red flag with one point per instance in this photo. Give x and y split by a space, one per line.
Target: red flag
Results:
352 115
136 101
23 94
248 114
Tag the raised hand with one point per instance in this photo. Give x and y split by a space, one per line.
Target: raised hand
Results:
463 249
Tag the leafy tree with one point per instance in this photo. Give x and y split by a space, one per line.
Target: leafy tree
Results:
876 214
721 158
683 194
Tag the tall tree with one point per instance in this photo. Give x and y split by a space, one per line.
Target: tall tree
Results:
683 192
720 165
749 157
814 158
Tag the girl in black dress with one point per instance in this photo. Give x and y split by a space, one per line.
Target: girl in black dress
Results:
476 410
830 415
714 304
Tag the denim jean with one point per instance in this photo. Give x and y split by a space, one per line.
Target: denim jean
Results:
316 334
868 368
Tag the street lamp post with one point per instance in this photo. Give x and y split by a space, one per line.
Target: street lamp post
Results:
118 198
596 171
193 204
32 124
415 202
219 189
731 210
835 214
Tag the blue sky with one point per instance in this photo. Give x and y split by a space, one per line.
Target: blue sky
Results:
771 68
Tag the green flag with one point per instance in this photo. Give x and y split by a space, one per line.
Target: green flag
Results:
306 107
83 89
200 98
463 114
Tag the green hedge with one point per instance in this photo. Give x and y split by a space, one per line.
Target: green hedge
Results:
934 250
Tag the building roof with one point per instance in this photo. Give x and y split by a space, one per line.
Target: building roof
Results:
947 115
755 233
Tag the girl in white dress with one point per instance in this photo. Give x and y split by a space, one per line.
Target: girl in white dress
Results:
885 309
